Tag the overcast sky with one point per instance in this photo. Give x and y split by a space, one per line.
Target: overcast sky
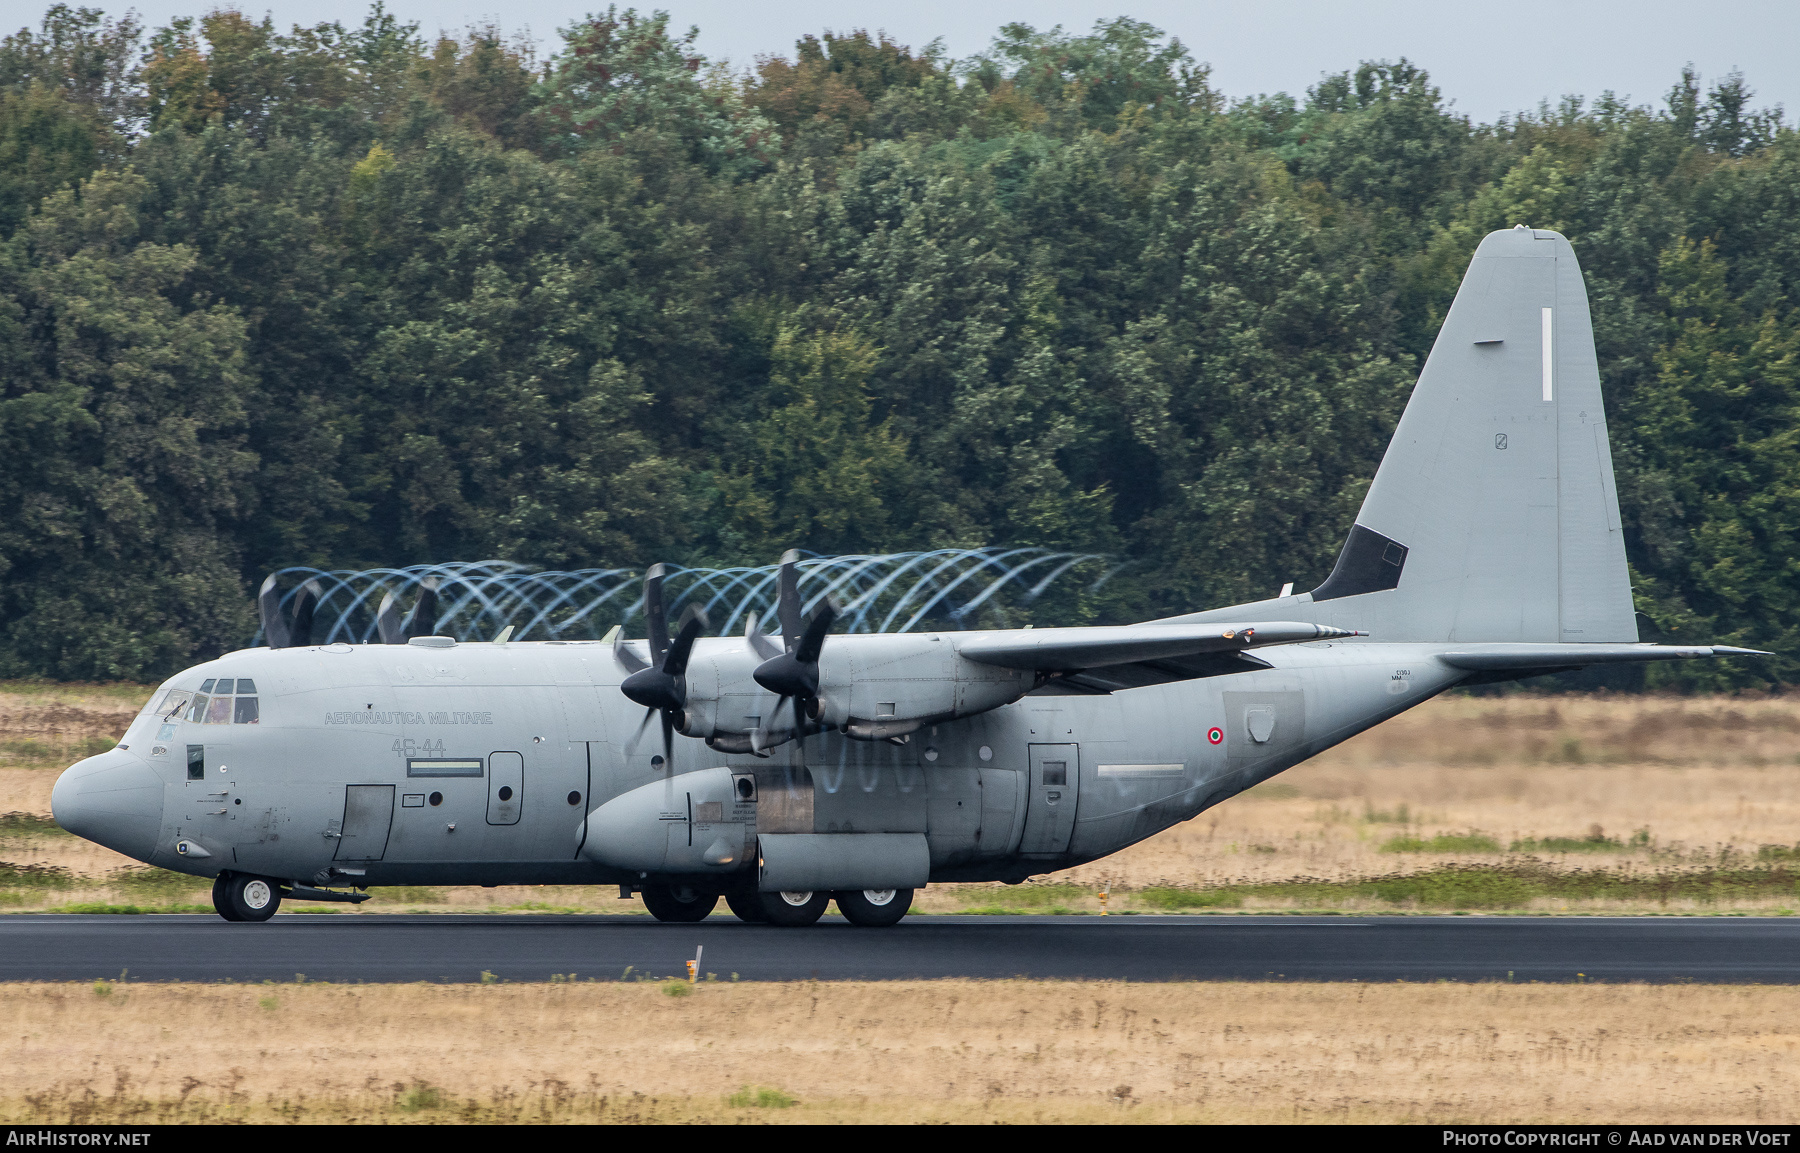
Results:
1487 58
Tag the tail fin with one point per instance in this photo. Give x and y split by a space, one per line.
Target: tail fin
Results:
1493 516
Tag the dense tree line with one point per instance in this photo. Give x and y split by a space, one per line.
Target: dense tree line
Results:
347 296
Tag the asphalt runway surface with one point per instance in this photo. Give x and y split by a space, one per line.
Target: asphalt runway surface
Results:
391 947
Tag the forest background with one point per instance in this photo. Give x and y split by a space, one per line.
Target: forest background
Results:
354 296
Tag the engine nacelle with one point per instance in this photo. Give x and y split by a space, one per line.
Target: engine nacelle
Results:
872 686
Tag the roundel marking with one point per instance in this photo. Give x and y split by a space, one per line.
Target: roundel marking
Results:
1215 734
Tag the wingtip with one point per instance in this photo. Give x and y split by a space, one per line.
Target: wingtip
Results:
1734 651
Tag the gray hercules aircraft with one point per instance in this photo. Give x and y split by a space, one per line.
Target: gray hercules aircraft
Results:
817 767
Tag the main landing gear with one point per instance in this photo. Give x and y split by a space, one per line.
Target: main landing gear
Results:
870 908
681 903
242 897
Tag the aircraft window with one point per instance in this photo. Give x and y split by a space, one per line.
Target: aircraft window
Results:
574 798
471 768
1056 772
206 686
197 711
223 688
506 792
246 712
437 799
173 703
218 711
246 686
196 762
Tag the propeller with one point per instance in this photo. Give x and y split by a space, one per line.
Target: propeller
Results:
268 603
423 620
794 675
661 686
287 634
760 644
387 620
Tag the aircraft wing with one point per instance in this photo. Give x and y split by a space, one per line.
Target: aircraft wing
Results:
1071 650
1505 657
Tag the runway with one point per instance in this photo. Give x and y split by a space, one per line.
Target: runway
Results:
1143 948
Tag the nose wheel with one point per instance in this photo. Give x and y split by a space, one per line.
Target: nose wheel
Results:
242 897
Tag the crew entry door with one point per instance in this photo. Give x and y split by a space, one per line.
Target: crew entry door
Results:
368 817
1055 777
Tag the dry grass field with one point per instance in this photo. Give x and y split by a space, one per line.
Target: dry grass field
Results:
899 1051
1533 803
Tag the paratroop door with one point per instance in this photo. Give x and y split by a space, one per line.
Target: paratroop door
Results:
368 815
506 786
1055 777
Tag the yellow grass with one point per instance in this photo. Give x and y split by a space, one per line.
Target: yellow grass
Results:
901 1051
1697 781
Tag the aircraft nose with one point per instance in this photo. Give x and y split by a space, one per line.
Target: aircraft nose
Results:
113 799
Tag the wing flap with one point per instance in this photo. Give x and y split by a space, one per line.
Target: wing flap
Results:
1501 657
1070 650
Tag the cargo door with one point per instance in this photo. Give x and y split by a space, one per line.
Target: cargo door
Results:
368 816
506 788
1054 781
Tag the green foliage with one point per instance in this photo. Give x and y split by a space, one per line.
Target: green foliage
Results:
1470 842
345 295
421 1097
1171 898
676 988
760 1097
28 824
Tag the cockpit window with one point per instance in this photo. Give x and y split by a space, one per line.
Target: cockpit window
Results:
173 702
218 708
206 686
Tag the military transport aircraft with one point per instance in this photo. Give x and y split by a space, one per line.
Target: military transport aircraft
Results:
813 767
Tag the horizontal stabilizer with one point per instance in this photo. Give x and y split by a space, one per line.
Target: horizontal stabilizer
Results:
1503 657
1067 650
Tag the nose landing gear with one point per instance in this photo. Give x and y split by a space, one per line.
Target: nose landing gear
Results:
242 897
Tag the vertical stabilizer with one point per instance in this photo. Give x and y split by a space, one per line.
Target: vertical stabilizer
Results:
1493 516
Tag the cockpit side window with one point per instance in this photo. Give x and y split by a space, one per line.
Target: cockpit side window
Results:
218 711
172 703
197 711
246 711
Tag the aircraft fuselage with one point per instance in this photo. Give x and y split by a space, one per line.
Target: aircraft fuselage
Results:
479 764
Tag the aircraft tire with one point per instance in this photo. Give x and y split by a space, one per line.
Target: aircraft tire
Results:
666 903
222 902
747 905
874 908
252 898
785 910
